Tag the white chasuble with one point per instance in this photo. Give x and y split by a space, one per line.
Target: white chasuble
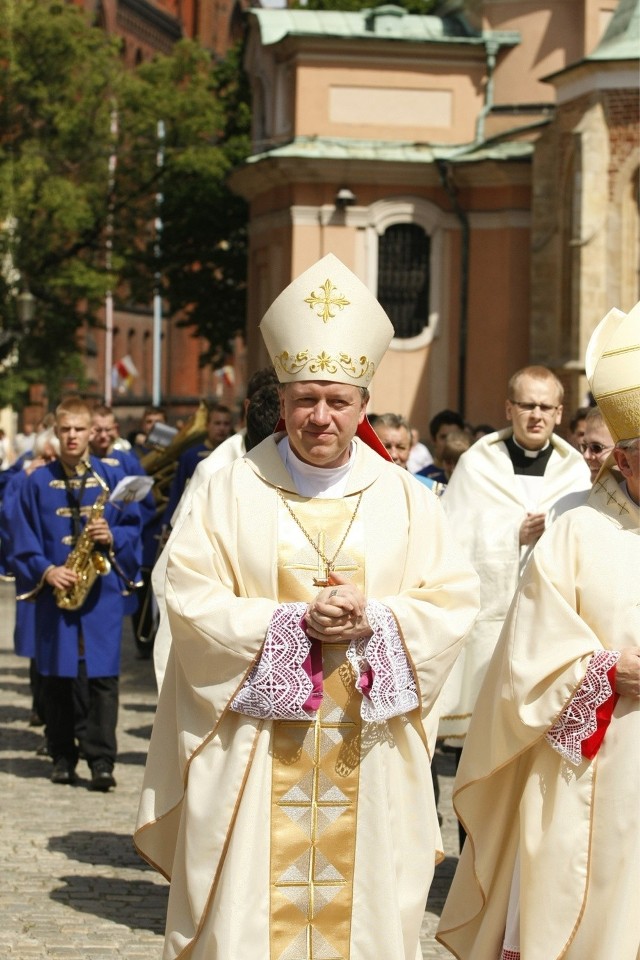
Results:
311 838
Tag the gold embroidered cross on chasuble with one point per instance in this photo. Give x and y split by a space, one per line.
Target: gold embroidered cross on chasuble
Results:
316 763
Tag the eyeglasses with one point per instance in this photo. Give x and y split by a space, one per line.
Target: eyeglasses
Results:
544 408
594 448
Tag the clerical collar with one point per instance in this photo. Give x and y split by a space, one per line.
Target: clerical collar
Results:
313 481
532 462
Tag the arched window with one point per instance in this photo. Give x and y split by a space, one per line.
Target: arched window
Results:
403 277
402 251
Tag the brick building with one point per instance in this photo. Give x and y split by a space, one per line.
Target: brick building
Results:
479 172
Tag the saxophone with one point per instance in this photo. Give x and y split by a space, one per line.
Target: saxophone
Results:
87 562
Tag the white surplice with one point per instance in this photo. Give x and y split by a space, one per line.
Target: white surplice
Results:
486 503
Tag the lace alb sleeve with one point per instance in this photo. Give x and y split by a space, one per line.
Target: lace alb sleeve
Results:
384 675
578 720
278 686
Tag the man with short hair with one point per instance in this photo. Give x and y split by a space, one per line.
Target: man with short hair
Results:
597 443
440 427
219 428
150 416
316 601
497 501
78 631
103 438
549 782
395 434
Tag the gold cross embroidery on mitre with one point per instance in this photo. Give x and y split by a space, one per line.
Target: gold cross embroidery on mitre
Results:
326 300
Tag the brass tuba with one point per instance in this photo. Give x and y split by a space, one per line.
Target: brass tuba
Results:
162 464
87 562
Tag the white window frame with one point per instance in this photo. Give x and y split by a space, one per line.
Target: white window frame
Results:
394 210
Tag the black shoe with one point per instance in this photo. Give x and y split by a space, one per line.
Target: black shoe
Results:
35 720
63 771
102 778
43 749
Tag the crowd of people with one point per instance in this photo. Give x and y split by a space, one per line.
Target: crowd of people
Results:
327 596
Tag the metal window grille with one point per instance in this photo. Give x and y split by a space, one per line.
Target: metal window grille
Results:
403 277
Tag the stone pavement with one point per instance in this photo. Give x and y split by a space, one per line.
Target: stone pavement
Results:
73 887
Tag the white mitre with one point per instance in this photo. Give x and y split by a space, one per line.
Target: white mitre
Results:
326 325
612 366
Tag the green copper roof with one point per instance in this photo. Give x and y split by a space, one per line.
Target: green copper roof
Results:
381 23
621 40
339 148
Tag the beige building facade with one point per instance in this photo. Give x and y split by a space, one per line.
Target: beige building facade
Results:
431 154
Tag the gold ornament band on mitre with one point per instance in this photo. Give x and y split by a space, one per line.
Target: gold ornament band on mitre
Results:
355 368
326 300
621 411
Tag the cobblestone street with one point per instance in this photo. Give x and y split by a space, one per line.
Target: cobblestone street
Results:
73 886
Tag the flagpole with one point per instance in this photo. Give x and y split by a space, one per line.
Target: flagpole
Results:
108 306
157 294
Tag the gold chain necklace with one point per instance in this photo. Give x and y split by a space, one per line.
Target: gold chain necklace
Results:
329 564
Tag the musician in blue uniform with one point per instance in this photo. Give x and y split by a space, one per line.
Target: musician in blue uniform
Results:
104 433
219 429
55 509
45 449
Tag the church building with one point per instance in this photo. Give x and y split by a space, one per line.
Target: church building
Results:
478 170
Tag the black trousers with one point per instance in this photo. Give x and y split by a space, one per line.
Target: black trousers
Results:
82 713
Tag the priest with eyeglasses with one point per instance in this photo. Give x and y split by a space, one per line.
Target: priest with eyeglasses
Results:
498 501
317 602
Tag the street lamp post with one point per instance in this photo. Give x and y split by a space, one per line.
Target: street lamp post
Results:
11 338
26 310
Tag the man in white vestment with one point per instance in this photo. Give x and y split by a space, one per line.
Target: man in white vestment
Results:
498 501
316 604
548 788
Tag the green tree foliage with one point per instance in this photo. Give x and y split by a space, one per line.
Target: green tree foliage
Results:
63 84
200 250
57 77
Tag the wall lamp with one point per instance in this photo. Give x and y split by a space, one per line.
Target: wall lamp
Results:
345 198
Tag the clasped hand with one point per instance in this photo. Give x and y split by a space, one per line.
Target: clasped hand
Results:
628 673
338 613
531 529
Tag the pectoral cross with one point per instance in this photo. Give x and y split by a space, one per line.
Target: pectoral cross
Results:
325 580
